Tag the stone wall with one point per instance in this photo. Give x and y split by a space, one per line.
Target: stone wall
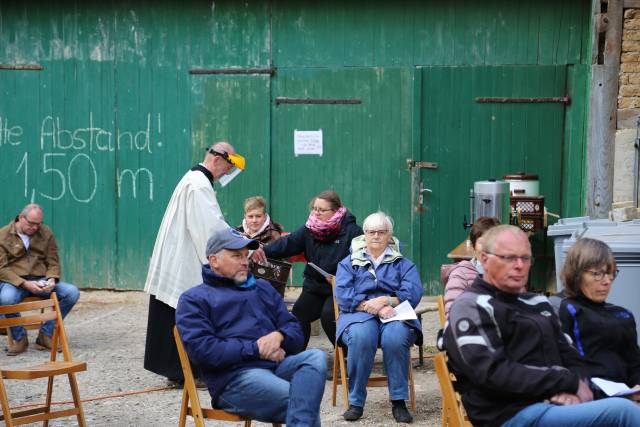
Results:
628 107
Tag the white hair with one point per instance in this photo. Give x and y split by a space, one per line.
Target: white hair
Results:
377 221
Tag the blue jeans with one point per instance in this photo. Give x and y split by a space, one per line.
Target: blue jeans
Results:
67 296
362 340
614 412
289 394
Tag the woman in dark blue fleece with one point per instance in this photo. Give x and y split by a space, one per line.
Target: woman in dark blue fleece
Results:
604 334
325 241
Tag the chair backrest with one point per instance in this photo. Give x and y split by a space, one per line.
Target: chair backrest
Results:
46 309
441 313
452 408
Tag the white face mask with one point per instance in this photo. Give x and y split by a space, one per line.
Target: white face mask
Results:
224 180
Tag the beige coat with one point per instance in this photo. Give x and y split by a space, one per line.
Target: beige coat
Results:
191 217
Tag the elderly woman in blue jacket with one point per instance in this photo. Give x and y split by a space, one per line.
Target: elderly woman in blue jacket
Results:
370 282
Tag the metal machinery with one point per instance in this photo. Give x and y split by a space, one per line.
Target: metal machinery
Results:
513 200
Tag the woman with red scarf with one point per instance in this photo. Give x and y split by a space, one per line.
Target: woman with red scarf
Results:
325 240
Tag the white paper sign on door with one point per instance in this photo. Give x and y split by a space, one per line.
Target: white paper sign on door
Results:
307 142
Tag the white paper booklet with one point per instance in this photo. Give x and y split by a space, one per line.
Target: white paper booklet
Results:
612 388
404 311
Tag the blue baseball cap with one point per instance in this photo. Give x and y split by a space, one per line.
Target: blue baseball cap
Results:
229 238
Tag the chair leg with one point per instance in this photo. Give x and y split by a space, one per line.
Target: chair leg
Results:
343 379
247 423
6 409
182 421
47 404
335 379
75 392
412 387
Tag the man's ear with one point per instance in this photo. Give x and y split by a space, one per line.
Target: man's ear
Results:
482 257
213 261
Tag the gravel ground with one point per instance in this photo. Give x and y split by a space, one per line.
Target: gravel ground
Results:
107 330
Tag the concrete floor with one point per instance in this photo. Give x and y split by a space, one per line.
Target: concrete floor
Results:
107 330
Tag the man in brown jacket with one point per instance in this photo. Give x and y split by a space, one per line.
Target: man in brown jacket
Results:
29 266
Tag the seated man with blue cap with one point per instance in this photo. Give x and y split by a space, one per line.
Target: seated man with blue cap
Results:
237 329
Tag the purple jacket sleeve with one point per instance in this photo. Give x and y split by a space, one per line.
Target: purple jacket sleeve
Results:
461 277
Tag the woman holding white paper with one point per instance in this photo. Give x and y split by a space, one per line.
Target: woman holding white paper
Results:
370 282
604 334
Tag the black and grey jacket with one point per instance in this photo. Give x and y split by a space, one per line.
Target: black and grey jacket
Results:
605 336
507 352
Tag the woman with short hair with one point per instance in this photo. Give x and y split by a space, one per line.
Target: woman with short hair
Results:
257 225
370 282
604 334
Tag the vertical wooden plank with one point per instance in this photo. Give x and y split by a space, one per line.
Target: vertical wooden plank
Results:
602 117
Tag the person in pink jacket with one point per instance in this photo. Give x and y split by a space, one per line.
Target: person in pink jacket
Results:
458 277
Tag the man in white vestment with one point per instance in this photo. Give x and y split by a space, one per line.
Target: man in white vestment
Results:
192 215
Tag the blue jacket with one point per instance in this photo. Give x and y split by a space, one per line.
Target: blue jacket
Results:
220 323
357 280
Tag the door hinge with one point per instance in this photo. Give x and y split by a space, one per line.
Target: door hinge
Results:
411 164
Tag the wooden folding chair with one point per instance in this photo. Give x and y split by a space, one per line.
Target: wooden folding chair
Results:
190 400
453 413
442 317
36 326
340 369
48 369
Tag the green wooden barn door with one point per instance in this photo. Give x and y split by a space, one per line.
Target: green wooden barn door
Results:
235 109
474 141
364 145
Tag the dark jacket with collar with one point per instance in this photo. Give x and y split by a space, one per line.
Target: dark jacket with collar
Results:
507 352
605 336
220 324
324 254
18 263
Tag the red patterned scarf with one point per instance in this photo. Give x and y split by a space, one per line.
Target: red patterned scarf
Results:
325 230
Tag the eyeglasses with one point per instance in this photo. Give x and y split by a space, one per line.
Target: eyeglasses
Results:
376 232
511 259
599 275
31 223
320 210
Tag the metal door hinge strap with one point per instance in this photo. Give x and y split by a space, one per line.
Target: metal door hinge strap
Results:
285 100
269 71
22 67
421 165
560 99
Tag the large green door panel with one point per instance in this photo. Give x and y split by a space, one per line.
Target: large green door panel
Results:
234 109
474 141
160 33
360 33
365 146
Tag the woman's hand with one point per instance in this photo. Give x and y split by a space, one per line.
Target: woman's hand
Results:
565 399
636 396
386 312
374 305
259 256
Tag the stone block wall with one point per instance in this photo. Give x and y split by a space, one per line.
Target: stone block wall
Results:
628 107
